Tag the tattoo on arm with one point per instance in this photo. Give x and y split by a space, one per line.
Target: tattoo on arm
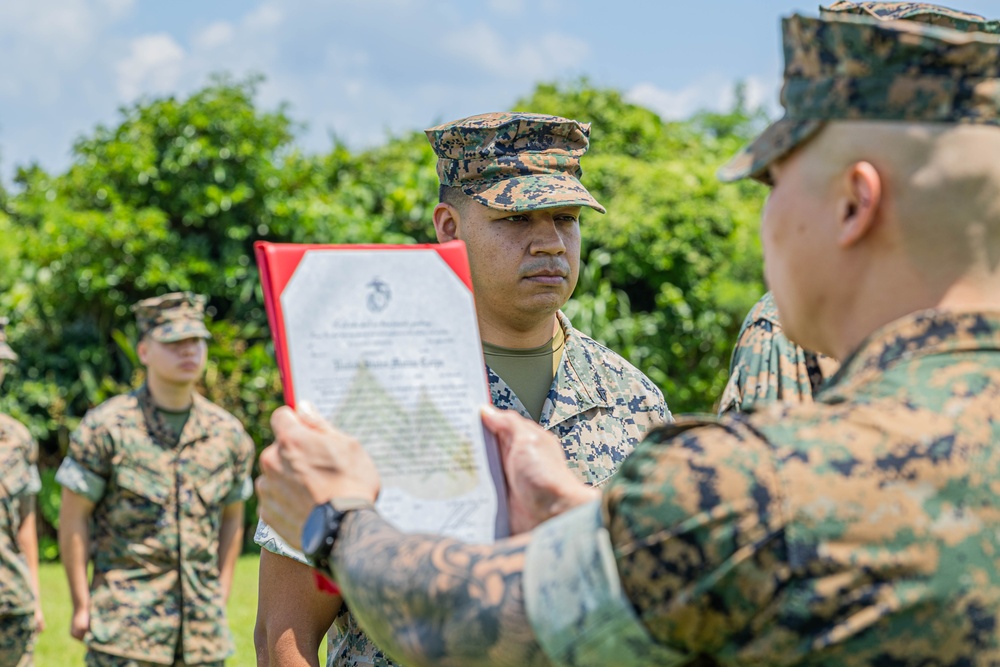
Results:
430 600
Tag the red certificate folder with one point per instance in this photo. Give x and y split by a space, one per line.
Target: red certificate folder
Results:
277 263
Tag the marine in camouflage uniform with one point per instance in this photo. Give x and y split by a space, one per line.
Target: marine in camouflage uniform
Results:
598 404
159 499
861 529
768 367
19 484
765 365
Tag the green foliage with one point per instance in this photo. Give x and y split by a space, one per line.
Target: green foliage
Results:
671 269
175 194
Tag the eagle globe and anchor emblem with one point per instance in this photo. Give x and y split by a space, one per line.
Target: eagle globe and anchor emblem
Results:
379 295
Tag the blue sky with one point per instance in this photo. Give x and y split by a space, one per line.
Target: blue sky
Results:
364 68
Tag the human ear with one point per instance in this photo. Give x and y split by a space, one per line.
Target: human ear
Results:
142 350
864 196
446 222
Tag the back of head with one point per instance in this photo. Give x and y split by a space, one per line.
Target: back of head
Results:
921 104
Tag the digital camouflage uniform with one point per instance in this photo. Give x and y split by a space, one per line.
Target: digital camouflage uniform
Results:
599 406
768 367
861 529
19 481
159 495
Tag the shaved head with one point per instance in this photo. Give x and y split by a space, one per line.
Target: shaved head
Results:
870 220
941 183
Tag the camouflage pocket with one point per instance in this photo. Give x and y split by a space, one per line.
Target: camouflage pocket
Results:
216 487
15 475
143 483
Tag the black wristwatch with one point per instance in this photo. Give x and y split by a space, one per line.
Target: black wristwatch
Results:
322 527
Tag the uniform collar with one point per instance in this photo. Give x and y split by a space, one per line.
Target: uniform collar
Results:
577 386
917 335
161 431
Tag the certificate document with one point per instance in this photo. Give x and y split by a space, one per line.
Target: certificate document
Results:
384 341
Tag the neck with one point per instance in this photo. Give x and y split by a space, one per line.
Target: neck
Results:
892 304
504 335
168 395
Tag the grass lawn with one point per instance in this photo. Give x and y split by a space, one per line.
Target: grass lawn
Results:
56 648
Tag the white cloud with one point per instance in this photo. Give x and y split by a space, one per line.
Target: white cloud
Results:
217 34
527 56
712 93
153 65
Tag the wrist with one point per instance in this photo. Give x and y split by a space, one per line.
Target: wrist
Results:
322 528
579 496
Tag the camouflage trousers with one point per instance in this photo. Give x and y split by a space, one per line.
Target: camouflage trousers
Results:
99 659
17 640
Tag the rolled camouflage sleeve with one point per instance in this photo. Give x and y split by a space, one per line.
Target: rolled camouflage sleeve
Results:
243 479
35 480
267 539
695 519
574 599
86 468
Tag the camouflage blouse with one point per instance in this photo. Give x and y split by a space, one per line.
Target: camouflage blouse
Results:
155 531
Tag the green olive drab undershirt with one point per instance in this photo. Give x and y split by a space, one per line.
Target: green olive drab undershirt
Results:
529 372
176 420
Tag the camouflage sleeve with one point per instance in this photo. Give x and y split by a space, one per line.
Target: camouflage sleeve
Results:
243 480
574 600
269 540
27 453
696 521
86 467
35 480
766 367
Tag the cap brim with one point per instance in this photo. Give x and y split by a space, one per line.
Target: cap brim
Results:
171 332
6 353
537 191
778 140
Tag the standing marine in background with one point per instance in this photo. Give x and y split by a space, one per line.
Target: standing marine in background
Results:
153 490
766 366
511 191
21 616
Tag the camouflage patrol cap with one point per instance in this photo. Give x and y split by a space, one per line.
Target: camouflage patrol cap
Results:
846 67
172 317
514 161
915 11
6 353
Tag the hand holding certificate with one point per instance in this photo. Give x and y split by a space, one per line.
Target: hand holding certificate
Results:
383 341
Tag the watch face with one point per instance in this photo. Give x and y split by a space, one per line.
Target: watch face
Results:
316 529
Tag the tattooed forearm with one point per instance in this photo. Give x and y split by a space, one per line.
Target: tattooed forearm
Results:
435 601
